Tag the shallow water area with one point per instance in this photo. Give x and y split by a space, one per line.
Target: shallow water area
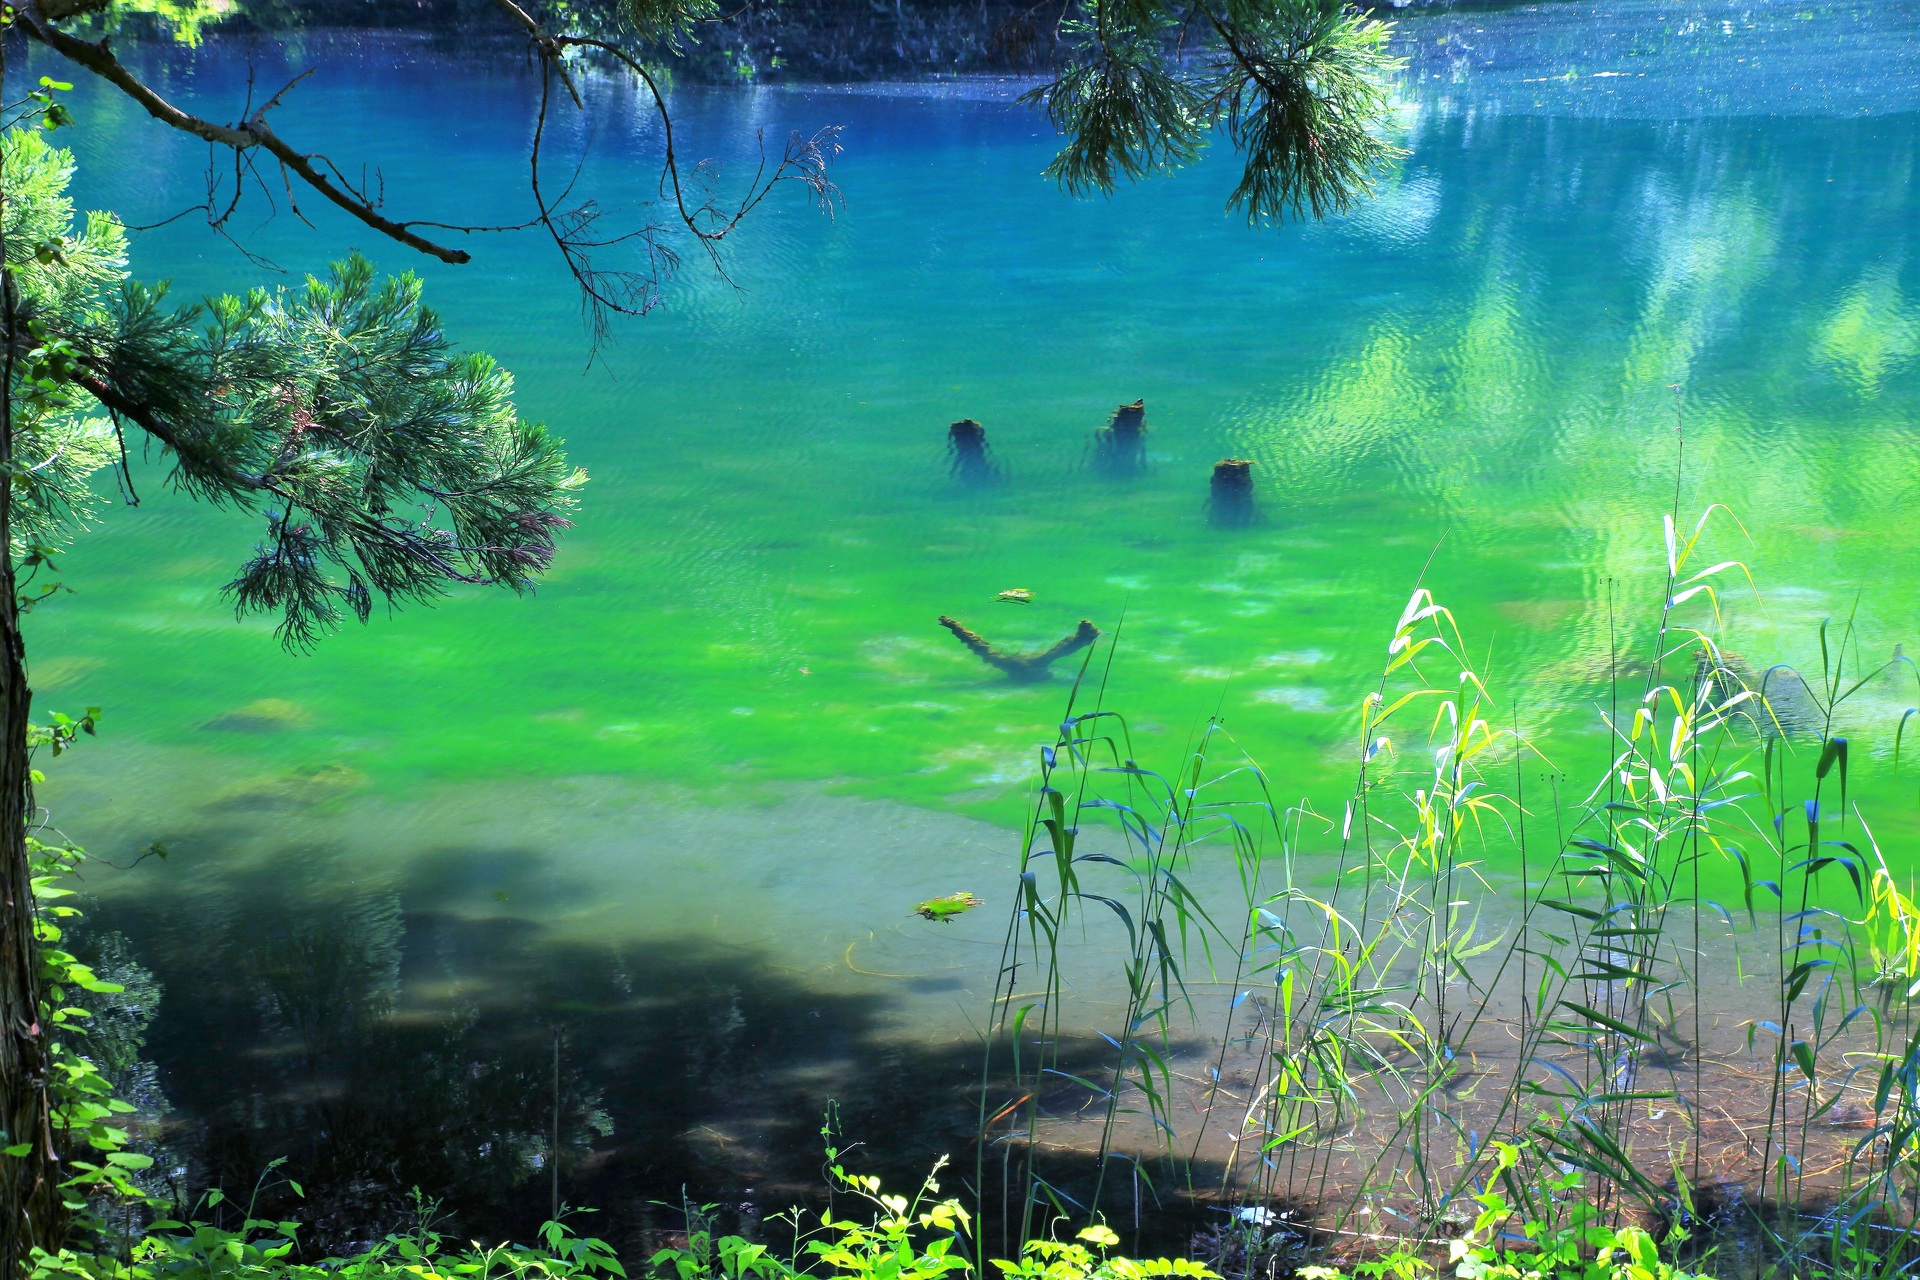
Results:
683 800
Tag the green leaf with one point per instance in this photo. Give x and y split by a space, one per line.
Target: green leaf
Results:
1611 1023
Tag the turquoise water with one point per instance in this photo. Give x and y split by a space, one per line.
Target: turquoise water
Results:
699 778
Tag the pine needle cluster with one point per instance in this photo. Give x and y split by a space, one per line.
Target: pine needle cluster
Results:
1300 88
387 464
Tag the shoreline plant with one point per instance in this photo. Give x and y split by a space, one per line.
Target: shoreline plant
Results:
385 467
1406 1077
1431 1056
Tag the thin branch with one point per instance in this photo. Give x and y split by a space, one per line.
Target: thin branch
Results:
805 161
574 228
254 132
143 417
550 50
202 207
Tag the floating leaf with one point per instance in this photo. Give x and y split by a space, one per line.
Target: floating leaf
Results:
948 907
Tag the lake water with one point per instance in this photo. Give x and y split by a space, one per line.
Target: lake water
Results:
682 800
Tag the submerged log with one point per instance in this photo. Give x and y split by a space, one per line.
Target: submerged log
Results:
1021 666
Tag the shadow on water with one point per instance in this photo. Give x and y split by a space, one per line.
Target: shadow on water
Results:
378 1049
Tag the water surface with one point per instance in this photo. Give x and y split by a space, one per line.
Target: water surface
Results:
686 793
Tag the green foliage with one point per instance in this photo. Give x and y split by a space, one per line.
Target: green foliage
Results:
59 439
89 1120
388 464
1582 1246
1302 95
673 21
1125 111
1299 87
667 24
1595 1252
917 1238
348 400
1403 1061
887 1248
264 1249
905 1239
185 21
1085 1257
718 1257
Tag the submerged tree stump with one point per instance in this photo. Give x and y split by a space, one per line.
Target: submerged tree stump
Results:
1120 447
1024 667
1232 477
967 436
1232 491
967 441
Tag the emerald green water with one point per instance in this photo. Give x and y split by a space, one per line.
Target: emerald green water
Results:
729 718
772 527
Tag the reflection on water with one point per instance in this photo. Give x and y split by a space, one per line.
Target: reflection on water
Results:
679 807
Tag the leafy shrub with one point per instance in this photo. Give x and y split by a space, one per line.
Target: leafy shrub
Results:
262 1249
908 1239
1074 1260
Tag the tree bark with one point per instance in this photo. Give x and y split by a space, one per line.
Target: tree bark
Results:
30 1210
31 1214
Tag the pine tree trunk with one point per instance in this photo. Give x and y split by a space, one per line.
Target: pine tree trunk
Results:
30 1202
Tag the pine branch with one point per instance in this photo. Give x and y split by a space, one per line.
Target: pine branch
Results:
574 229
253 133
339 409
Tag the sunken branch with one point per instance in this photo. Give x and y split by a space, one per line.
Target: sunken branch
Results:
1024 667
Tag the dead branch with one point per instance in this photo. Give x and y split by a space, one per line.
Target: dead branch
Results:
254 132
574 228
1023 667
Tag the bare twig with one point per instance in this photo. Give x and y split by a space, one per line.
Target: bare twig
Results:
253 133
575 228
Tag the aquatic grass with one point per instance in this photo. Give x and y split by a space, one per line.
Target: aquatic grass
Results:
1430 1033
